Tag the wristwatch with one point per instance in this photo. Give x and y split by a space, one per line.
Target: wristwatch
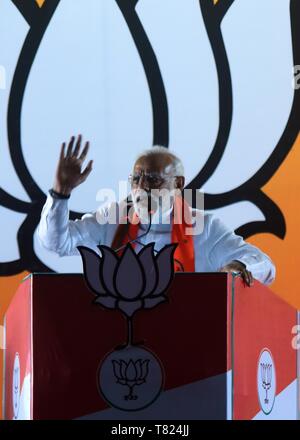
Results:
57 195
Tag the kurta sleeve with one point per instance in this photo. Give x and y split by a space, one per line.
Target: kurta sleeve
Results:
59 234
225 246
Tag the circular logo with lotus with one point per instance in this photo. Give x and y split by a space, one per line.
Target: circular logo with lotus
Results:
130 379
266 381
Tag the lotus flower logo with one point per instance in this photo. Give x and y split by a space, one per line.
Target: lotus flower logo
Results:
266 381
129 283
130 378
131 374
266 377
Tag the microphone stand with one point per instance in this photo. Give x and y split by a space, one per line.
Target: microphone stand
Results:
144 233
136 240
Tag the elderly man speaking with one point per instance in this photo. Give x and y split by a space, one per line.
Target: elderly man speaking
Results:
215 248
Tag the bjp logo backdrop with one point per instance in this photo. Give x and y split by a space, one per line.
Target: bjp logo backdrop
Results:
210 79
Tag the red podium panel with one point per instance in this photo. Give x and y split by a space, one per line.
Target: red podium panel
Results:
217 349
262 334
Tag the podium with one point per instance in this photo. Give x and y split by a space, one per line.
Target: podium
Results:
216 350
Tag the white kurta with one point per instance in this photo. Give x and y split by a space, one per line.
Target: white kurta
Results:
214 247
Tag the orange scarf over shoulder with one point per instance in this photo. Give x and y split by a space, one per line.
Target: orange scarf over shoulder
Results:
181 220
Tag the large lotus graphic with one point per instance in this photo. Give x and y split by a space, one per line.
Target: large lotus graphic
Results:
129 283
202 77
132 281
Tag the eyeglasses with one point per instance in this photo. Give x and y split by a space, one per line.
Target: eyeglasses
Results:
152 180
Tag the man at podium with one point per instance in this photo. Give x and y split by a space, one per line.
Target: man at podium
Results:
156 174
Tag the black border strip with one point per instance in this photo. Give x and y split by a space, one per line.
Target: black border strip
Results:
29 9
212 24
24 64
152 71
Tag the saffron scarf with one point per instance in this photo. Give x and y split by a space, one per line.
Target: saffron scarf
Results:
184 256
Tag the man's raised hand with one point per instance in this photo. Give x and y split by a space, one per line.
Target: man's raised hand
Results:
69 173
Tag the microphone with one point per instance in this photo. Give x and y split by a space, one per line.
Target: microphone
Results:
136 240
150 212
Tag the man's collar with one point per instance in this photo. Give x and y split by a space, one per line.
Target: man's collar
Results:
159 225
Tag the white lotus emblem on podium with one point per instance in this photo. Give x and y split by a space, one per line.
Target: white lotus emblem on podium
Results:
266 381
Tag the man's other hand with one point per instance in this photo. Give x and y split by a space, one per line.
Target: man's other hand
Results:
238 267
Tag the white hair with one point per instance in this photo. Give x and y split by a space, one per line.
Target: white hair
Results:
177 165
